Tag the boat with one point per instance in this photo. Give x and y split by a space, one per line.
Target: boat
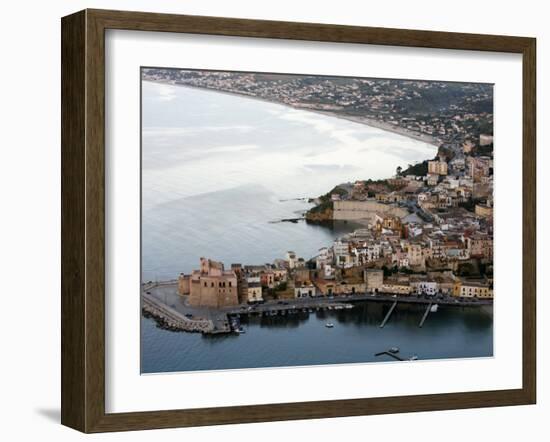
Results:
413 358
241 330
433 308
394 350
329 325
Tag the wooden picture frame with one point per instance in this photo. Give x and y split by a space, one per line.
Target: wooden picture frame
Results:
83 220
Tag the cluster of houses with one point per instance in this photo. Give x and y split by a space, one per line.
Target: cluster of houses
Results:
213 286
419 238
382 100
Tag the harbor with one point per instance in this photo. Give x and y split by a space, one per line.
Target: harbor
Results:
416 275
172 311
303 337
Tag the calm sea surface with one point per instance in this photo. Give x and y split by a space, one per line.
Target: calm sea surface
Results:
217 170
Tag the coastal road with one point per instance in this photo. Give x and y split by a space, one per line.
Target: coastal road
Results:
167 293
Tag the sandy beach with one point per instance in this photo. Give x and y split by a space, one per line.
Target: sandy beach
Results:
360 120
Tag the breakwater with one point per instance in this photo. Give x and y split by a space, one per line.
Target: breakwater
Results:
171 319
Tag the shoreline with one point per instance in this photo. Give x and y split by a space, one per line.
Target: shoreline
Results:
365 121
177 316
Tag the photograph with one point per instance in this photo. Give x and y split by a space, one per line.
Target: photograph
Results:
295 220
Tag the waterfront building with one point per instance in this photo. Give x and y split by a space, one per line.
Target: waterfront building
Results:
475 289
325 287
374 279
254 292
351 287
356 210
304 290
396 286
445 281
210 286
339 287
423 285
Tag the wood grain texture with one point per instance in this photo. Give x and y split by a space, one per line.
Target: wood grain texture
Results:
83 220
529 220
73 256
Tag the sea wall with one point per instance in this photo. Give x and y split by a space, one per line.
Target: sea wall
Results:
171 319
356 210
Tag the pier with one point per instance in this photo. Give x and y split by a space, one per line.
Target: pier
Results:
426 313
387 317
171 319
389 353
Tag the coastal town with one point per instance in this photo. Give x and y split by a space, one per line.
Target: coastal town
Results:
443 113
423 235
418 237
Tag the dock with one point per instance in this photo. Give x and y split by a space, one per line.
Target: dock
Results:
387 317
426 313
388 353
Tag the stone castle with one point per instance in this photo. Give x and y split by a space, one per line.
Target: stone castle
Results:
210 286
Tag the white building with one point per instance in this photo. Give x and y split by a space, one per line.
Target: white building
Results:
304 291
429 288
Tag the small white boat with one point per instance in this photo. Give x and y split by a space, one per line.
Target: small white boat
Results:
394 350
433 308
329 325
413 358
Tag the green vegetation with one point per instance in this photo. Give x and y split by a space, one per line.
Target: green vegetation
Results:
336 191
322 207
486 151
470 204
446 152
418 169
325 205
468 269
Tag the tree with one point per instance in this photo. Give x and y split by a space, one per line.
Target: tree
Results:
398 170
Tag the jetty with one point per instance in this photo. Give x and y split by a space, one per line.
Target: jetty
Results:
389 353
171 319
387 317
426 313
